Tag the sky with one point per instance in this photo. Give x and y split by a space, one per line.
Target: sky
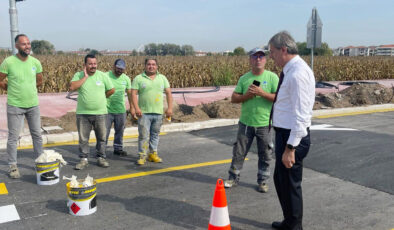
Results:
207 25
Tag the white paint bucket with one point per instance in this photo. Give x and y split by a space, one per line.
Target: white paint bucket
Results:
81 200
47 173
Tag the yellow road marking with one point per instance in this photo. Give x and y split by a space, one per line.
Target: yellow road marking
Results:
355 113
3 189
76 142
171 169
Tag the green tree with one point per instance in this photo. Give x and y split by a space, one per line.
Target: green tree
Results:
150 49
187 50
324 50
134 53
95 52
42 47
239 51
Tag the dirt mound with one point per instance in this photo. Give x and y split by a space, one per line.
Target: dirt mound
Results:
356 95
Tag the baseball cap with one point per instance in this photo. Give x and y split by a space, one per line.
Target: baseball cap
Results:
119 63
256 50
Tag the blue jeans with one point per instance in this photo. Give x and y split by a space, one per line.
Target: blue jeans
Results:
245 137
148 132
15 116
119 120
85 123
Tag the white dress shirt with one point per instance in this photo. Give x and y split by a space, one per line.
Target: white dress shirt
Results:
295 99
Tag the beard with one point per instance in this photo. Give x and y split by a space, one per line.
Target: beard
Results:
23 53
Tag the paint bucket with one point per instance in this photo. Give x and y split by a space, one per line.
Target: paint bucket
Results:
47 173
81 200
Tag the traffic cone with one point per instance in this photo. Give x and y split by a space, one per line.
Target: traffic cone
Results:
219 219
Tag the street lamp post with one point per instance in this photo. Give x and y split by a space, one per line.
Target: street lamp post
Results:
13 23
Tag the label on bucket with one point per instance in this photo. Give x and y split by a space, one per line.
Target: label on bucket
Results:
75 208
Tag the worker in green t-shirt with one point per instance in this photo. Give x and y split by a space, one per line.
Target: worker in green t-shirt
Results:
256 91
24 74
116 105
150 86
93 88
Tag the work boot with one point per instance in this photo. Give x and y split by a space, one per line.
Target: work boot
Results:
13 172
102 162
142 159
82 164
231 183
263 187
120 153
153 157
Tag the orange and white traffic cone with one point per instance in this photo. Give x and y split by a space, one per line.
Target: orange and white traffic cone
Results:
219 219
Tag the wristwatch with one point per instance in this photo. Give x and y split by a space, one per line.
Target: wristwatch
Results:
290 147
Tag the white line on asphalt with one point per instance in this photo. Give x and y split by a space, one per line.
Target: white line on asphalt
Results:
329 127
8 213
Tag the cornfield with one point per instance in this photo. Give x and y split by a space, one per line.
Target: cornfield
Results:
213 70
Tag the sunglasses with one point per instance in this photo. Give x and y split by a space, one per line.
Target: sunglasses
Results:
255 57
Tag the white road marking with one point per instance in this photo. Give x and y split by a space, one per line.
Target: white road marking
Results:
329 128
8 213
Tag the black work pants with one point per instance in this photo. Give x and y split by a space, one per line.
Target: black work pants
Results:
288 181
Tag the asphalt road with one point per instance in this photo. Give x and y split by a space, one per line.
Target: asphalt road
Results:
347 183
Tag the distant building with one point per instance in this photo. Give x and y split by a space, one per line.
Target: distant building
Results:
104 52
383 50
200 53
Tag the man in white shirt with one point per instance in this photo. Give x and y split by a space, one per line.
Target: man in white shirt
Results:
292 113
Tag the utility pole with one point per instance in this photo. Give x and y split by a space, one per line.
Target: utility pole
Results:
13 23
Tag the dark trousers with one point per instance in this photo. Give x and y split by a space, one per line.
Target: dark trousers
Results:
119 121
288 181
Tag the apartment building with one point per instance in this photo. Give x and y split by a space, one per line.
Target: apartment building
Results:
383 50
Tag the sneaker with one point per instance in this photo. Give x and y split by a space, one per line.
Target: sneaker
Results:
153 157
82 164
230 183
262 188
102 162
142 159
120 153
13 172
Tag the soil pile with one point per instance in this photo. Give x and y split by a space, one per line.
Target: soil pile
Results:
355 95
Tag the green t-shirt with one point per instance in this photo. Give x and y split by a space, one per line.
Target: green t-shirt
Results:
22 89
255 112
150 92
115 103
91 94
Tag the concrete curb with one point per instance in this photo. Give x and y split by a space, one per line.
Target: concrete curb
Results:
130 132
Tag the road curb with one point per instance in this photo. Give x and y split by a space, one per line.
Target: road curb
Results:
132 132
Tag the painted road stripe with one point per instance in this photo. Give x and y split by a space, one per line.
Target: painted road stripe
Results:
8 213
171 169
76 142
3 189
355 113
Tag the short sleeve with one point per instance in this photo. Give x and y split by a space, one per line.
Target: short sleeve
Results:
4 67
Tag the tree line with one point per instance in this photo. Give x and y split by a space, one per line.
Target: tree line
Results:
153 49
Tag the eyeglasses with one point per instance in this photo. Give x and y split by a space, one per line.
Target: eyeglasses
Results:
255 57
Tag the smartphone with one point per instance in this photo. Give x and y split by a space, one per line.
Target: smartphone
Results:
256 83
